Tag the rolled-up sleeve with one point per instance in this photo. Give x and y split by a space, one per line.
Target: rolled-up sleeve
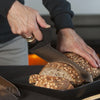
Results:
60 11
5 6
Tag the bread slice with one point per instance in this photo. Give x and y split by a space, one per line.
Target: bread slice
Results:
51 82
59 69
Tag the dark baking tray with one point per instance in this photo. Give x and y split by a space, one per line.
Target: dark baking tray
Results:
19 75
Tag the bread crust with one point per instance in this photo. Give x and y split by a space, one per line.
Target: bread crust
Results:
51 82
95 72
62 76
59 69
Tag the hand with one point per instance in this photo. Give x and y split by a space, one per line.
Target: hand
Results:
23 19
69 41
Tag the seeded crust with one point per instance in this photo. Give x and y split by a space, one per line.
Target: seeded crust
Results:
59 69
84 64
51 82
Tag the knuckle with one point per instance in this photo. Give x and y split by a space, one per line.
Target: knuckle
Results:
31 27
78 48
93 52
36 11
43 20
91 49
19 32
36 31
25 30
13 31
35 28
89 58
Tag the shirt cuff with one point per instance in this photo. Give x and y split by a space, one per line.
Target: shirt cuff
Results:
5 6
63 21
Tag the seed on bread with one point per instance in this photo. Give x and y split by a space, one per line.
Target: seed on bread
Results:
63 70
51 82
59 69
84 64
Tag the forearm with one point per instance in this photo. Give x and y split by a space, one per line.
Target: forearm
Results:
60 12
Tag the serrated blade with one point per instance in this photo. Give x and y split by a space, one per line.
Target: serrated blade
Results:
50 54
9 86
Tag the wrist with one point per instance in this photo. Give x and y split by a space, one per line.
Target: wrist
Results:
66 32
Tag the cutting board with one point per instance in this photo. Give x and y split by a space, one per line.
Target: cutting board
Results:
94 97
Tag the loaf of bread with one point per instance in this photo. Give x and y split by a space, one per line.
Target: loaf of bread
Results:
51 82
59 69
95 72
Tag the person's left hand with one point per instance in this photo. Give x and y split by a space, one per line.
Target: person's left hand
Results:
69 41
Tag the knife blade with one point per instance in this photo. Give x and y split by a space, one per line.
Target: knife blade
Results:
9 86
45 51
51 55
6 95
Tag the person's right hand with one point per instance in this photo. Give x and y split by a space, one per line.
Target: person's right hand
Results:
25 20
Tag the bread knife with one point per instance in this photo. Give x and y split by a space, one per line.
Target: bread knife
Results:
50 54
9 86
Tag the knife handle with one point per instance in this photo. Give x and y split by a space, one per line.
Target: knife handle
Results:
47 38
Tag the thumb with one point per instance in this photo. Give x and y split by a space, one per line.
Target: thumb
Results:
42 22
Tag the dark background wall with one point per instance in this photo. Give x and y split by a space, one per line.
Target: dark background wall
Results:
87 26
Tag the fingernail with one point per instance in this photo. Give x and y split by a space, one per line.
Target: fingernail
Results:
48 26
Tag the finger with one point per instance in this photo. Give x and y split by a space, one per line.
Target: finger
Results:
28 35
36 32
88 57
93 54
26 32
42 22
